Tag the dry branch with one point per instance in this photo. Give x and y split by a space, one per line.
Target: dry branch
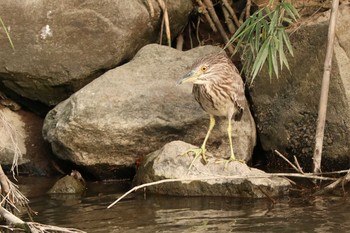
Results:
317 157
151 9
340 181
232 12
231 27
247 10
285 159
268 175
166 20
218 24
206 15
180 41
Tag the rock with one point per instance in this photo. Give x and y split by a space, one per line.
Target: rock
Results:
62 45
286 109
168 163
133 110
21 133
68 185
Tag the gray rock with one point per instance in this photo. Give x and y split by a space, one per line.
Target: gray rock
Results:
62 45
68 185
286 109
168 163
135 109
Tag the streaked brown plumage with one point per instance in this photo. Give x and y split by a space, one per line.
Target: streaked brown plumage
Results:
219 89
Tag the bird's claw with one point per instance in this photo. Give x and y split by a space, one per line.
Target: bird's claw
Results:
197 153
227 161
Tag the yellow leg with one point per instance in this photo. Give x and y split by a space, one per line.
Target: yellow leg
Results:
229 133
201 151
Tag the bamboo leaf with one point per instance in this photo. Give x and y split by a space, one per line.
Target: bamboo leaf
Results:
7 34
260 58
287 42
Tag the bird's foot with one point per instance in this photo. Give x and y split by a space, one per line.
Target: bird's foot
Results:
231 159
197 152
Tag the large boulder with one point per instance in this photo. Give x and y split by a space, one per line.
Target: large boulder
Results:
135 109
286 108
235 179
62 45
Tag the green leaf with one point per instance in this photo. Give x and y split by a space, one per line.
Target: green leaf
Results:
7 34
260 58
287 42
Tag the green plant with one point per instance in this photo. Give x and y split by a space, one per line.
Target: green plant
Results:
262 38
7 33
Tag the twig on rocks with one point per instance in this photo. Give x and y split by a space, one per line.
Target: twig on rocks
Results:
298 165
285 159
268 175
340 181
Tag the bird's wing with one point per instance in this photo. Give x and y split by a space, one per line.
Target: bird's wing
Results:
238 96
238 107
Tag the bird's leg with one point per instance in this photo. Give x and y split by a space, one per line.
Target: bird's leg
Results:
229 133
202 150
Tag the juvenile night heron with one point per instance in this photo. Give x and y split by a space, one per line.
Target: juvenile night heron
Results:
219 89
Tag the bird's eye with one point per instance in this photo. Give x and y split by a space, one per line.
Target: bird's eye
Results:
204 68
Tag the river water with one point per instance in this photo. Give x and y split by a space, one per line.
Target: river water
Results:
154 213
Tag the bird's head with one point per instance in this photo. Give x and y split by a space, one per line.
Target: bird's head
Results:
205 70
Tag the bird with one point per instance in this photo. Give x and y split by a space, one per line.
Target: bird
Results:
219 90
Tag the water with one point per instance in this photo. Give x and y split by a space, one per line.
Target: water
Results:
154 213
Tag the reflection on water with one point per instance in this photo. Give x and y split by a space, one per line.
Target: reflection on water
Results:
153 213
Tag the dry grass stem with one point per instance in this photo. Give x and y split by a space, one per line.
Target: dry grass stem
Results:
166 20
206 15
218 24
13 135
232 12
180 41
231 27
190 36
298 165
247 10
151 9
197 31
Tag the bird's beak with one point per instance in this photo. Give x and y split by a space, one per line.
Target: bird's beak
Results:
189 77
